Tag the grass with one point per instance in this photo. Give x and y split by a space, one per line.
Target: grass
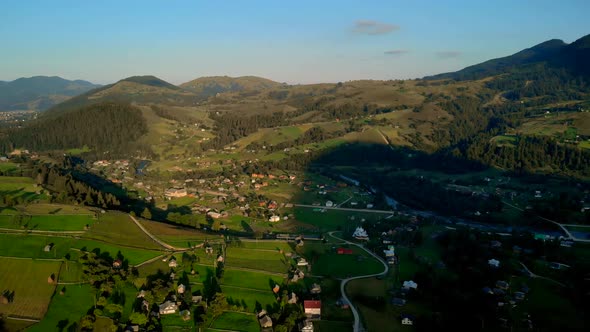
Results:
584 145
21 188
340 266
49 222
249 297
71 307
235 321
268 245
255 280
332 326
28 280
31 246
118 227
256 259
78 151
71 271
173 322
7 167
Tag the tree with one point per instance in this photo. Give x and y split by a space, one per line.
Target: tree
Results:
146 214
138 318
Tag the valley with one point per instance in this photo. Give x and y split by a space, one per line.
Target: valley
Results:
244 204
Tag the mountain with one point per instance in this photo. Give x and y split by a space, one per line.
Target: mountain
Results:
210 86
552 54
136 89
40 92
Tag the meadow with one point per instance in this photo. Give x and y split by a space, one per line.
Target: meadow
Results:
234 321
48 222
31 246
265 260
69 308
28 280
117 227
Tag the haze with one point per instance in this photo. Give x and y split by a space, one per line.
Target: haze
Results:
295 42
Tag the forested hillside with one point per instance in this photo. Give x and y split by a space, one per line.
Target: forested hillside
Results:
103 126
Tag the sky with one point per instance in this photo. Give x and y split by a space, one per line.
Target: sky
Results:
295 41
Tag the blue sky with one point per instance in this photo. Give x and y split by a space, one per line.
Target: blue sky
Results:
287 41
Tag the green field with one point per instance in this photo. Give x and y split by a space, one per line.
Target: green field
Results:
20 189
250 297
7 167
28 280
71 306
340 266
117 227
265 260
268 245
48 222
31 246
255 280
173 322
235 321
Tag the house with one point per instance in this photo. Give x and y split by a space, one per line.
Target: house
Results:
272 205
197 298
389 252
264 321
48 247
360 234
503 285
274 218
167 308
519 296
214 215
141 294
292 299
276 289
398 301
302 262
369 206
117 264
409 285
344 251
172 263
313 309
181 288
407 319
315 289
132 328
494 263
329 204
297 275
306 326
175 193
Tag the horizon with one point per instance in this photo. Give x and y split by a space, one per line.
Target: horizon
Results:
105 42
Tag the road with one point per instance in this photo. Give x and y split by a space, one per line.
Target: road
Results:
357 327
344 209
158 241
562 226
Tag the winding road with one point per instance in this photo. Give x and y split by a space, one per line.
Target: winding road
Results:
357 327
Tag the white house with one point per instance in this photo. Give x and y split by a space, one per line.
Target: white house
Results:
329 204
172 263
302 262
407 320
168 307
181 289
410 284
360 234
274 218
494 262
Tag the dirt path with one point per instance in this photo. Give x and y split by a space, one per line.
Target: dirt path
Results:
158 241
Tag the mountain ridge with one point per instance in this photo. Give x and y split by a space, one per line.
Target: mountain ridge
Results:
39 92
554 53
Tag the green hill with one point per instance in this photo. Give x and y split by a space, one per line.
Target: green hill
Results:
210 86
